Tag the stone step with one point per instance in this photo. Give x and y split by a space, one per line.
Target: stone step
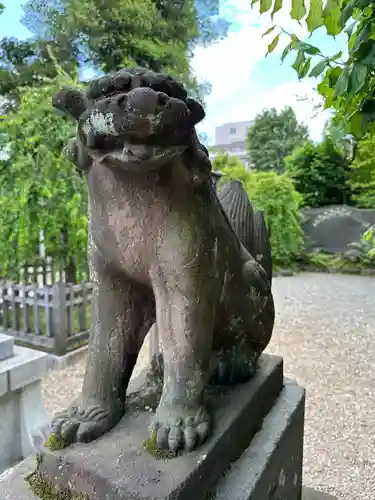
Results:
6 346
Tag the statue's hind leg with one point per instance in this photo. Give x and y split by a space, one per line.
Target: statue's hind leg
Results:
244 327
122 314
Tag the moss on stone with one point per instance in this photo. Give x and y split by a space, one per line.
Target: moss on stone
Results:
150 445
45 490
55 443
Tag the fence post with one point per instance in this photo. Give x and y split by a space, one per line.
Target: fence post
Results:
59 318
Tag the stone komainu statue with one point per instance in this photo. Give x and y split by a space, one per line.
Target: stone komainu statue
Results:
163 255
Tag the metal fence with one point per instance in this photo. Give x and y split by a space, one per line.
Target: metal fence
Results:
55 318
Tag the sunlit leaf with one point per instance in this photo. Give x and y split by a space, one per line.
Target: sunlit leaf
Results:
276 7
300 59
332 17
315 16
265 5
286 51
305 68
269 31
298 10
273 44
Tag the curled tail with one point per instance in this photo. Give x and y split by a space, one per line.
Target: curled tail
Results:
249 224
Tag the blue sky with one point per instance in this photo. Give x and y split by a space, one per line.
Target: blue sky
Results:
243 80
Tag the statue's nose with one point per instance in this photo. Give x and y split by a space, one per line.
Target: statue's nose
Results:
162 99
121 100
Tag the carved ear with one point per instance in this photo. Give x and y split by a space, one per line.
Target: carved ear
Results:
70 101
196 110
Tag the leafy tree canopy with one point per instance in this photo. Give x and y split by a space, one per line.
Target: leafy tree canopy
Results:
320 174
108 35
26 63
347 82
40 190
273 137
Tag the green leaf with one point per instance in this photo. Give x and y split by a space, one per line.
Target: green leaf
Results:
331 15
335 56
347 12
356 125
342 83
272 46
269 31
286 51
358 77
362 37
369 57
333 75
305 68
300 59
298 9
265 5
315 16
349 30
310 49
318 69
276 7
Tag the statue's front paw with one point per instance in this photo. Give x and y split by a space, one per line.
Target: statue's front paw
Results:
81 424
176 428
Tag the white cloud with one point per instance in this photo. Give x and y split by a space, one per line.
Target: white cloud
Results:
229 66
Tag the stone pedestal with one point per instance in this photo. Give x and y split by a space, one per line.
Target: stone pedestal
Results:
255 452
22 413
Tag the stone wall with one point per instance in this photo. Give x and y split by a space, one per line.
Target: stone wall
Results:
332 228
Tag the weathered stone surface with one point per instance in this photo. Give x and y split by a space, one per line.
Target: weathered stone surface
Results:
248 223
312 494
24 367
163 255
12 482
6 346
271 467
116 466
3 383
332 229
21 404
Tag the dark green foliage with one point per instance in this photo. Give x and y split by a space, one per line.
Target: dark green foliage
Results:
320 174
27 63
273 137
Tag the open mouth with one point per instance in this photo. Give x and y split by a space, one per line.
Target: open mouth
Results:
138 153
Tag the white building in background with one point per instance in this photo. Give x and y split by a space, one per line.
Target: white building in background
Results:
231 138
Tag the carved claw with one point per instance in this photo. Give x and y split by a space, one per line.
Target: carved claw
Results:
178 429
82 424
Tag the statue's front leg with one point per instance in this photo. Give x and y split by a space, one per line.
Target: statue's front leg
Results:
185 313
121 317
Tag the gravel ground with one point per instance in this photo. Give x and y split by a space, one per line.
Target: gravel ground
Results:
325 330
